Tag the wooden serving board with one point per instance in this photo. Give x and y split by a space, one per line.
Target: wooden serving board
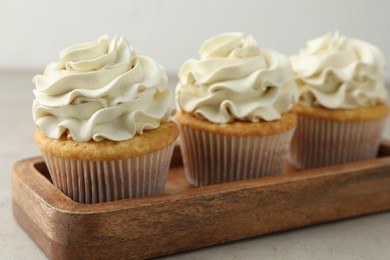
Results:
185 218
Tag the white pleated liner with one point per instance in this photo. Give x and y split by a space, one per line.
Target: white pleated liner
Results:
214 158
320 142
101 181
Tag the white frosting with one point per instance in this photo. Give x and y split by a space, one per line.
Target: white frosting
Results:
334 71
236 80
101 90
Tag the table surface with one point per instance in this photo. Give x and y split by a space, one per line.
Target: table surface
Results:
364 237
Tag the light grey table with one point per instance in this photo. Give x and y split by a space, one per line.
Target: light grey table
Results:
358 238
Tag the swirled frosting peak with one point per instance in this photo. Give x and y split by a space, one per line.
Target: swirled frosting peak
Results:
338 72
236 80
101 90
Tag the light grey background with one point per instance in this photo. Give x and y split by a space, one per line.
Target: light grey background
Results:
171 31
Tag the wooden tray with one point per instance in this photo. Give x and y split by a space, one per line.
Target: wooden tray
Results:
185 218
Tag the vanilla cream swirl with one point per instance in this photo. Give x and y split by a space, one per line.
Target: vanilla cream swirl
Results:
101 90
337 72
236 80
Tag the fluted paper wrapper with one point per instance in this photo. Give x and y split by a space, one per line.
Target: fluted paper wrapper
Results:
101 181
214 158
320 142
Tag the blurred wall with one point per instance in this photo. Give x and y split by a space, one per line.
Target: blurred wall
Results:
170 31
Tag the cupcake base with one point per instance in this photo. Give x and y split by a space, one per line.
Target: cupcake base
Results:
86 181
96 172
324 137
211 157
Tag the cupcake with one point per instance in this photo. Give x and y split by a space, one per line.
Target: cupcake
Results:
235 113
103 114
342 107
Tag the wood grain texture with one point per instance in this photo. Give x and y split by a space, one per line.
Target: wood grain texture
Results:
186 218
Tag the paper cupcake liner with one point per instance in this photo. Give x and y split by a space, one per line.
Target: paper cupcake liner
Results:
214 158
87 181
320 142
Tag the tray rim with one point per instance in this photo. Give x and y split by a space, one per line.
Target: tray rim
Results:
72 207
